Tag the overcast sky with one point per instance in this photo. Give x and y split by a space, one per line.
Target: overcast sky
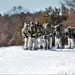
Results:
32 5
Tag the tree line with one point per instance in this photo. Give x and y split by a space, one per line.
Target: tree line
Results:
12 21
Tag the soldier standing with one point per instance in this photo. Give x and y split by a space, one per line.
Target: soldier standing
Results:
58 36
48 36
71 36
25 36
40 32
32 35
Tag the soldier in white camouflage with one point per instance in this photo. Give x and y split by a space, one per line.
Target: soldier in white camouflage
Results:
48 36
71 36
25 35
32 35
40 32
58 36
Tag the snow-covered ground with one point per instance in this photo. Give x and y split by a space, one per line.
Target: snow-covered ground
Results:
15 60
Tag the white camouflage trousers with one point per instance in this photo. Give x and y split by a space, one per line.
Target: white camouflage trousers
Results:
32 43
43 42
50 42
25 43
58 42
71 43
47 43
39 41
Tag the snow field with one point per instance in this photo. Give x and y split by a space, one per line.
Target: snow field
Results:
15 60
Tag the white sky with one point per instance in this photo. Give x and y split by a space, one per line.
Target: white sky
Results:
32 5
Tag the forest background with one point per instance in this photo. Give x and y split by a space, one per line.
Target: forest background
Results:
11 23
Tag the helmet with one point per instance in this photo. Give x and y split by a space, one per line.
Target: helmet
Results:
31 23
69 27
36 22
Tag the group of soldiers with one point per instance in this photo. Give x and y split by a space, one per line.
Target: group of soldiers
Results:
37 36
